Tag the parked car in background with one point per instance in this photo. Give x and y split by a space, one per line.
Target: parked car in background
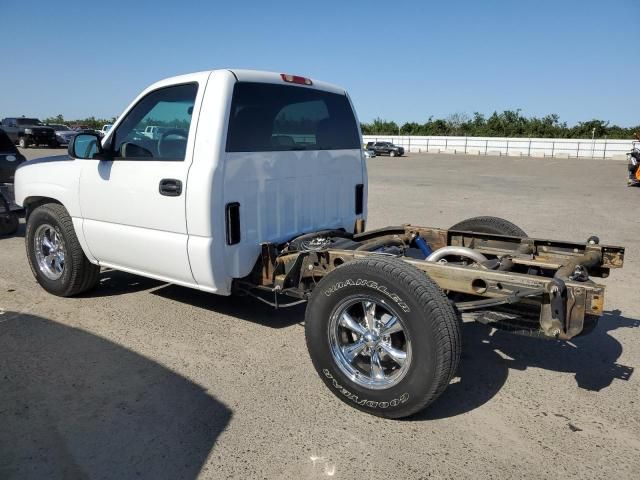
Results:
10 158
154 132
84 129
64 133
385 148
28 131
105 129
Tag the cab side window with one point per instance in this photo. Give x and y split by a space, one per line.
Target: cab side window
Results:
157 127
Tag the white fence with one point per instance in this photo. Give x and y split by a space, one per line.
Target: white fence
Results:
535 147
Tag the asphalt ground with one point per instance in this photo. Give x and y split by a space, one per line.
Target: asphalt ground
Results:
140 379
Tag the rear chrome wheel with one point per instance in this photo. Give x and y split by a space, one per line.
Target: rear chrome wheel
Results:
50 251
382 336
369 342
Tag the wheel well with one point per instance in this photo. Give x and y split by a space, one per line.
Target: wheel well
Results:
31 203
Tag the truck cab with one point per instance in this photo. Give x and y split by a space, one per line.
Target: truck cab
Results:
200 169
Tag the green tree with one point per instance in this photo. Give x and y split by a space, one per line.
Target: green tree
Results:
509 123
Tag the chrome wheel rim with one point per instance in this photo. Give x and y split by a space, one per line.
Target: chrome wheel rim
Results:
369 342
50 251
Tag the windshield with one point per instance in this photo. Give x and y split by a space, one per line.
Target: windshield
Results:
28 121
269 117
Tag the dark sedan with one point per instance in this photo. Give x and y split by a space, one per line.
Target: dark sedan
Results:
10 158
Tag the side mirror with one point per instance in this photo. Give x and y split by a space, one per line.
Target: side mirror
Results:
86 146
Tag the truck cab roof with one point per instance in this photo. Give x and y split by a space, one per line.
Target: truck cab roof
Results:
243 75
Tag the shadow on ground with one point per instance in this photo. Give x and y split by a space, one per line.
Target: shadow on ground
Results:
242 307
487 358
114 283
74 405
20 233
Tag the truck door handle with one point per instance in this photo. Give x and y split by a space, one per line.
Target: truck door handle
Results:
170 187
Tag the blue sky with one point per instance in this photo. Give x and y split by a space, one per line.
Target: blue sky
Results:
402 61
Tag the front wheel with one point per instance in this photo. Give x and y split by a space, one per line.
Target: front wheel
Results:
54 252
23 142
392 153
382 336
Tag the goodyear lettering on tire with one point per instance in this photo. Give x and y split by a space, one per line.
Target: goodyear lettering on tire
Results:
364 402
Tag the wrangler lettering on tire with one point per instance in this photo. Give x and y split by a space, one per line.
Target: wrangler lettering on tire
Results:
367 283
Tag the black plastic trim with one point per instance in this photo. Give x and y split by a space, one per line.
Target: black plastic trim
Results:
359 199
232 219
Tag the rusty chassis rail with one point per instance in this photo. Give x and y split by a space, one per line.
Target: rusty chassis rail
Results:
558 296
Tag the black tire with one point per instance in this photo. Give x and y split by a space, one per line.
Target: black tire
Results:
53 144
494 225
23 142
78 275
392 153
430 320
8 223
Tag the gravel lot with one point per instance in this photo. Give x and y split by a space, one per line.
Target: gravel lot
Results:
140 379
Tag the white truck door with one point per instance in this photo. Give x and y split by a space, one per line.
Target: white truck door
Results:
134 205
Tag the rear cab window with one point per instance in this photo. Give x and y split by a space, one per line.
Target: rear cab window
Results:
269 117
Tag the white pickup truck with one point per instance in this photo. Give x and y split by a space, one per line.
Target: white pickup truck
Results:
258 185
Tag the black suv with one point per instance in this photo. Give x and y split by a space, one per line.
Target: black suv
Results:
29 131
385 148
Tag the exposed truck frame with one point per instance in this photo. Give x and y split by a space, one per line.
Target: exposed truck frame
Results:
561 305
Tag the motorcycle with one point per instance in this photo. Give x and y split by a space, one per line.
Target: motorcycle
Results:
633 162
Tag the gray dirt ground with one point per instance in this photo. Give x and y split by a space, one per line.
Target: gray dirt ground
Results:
140 379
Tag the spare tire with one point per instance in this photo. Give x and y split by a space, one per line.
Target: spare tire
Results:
494 225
